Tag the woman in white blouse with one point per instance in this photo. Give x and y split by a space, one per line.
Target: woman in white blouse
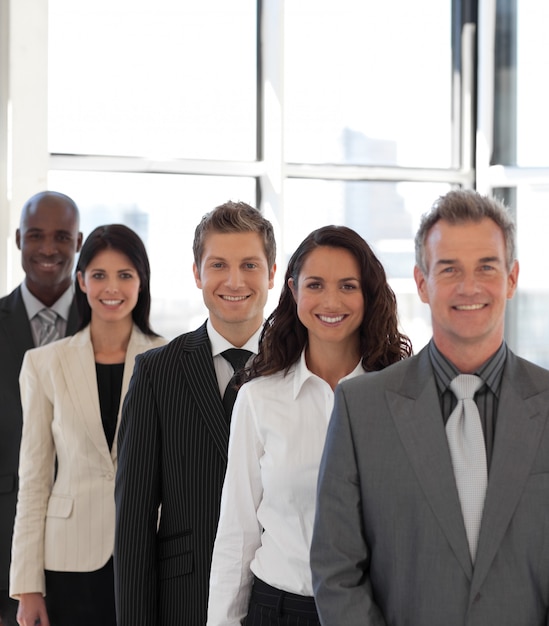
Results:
336 318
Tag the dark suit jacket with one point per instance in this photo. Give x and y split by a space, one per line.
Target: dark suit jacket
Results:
389 545
172 451
15 340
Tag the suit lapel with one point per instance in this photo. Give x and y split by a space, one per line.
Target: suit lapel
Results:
78 363
418 419
521 419
198 369
138 343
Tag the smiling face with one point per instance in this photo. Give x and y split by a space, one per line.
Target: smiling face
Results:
48 238
329 298
466 286
235 279
111 284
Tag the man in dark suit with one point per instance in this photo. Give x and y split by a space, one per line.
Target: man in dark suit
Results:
48 237
173 438
400 538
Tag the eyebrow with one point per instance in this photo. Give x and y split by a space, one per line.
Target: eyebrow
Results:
339 280
486 259
101 269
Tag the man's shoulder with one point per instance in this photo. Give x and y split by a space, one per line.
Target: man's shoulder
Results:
10 300
517 368
387 377
176 348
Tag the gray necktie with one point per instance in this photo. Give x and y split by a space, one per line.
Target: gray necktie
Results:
48 330
237 358
466 443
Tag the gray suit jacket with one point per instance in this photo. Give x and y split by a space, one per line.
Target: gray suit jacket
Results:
15 340
389 544
172 451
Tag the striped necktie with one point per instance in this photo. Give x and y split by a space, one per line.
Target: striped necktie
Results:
48 330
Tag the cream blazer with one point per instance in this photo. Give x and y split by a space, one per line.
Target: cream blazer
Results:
65 520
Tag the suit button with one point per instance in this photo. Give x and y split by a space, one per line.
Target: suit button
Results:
477 598
109 476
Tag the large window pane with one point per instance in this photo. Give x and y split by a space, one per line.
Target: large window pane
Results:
528 327
162 79
368 82
164 211
385 214
532 96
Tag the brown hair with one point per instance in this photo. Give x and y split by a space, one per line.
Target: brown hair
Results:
234 217
284 336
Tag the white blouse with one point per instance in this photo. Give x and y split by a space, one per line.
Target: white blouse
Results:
278 429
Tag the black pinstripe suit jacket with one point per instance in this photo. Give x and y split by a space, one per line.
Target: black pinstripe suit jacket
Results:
172 452
15 340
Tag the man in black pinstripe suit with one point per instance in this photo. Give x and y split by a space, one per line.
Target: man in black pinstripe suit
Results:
172 444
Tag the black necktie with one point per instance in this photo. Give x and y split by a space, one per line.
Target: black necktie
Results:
237 358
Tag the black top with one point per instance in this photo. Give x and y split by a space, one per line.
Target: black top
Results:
109 385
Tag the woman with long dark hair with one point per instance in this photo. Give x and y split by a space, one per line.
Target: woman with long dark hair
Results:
72 391
336 318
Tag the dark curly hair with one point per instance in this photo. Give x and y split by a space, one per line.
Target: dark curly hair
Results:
122 239
284 336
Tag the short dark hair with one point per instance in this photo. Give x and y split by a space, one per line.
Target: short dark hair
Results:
234 217
42 196
466 205
122 239
284 336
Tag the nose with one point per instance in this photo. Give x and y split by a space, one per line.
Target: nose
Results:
112 286
234 278
331 299
468 284
48 246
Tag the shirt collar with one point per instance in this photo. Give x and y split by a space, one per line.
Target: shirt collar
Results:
33 305
220 344
490 371
302 374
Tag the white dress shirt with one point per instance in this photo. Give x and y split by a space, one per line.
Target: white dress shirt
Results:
267 513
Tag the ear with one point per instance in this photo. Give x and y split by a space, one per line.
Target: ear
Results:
512 280
196 273
18 239
79 242
272 273
81 282
292 287
421 284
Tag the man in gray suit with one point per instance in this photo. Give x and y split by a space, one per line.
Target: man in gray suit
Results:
48 237
393 540
173 438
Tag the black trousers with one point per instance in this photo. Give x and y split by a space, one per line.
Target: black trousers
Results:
81 598
273 607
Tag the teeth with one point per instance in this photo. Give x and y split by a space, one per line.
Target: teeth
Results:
234 298
469 307
331 320
111 302
47 264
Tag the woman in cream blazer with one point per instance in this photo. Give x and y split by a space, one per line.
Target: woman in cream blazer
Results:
72 392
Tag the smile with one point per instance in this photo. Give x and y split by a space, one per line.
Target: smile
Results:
469 307
112 302
328 319
234 298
